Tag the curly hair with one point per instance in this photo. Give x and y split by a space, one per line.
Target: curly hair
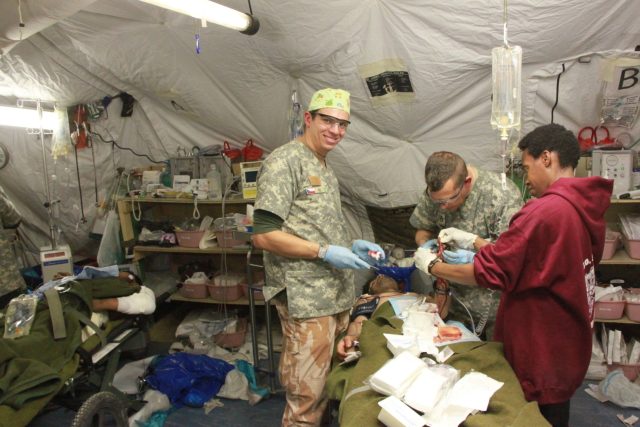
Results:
552 137
442 166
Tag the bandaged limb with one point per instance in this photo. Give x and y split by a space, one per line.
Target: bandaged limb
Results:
143 302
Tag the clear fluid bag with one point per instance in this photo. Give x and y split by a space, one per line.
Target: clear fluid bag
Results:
506 73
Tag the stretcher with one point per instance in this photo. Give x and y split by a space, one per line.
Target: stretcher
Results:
358 404
38 369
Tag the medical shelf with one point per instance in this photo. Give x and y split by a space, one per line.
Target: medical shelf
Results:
183 250
176 210
186 200
623 319
621 258
240 258
624 201
240 301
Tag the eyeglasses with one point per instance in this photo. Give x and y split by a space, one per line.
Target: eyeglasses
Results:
447 200
329 121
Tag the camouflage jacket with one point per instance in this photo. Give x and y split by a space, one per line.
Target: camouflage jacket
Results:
486 212
295 186
10 278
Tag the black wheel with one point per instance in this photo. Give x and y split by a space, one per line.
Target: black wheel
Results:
102 409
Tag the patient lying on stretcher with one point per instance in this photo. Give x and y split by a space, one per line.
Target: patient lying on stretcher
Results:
142 302
56 324
380 290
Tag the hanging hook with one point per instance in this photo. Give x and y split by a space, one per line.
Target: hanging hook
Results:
504 29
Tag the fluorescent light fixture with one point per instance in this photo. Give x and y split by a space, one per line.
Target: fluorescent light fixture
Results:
27 118
212 12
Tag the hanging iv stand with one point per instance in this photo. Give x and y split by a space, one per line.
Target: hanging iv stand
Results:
41 132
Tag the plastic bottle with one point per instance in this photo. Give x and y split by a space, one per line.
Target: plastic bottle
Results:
215 185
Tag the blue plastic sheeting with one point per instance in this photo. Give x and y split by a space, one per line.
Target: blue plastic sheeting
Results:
400 274
188 379
248 370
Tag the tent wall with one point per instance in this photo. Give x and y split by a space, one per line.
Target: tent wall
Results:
239 87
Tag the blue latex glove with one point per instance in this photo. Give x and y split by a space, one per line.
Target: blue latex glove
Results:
362 248
431 245
459 256
341 257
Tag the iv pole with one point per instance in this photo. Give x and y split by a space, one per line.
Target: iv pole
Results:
48 203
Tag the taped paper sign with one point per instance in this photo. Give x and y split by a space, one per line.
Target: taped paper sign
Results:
387 82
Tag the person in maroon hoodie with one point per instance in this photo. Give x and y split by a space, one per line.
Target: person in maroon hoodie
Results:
544 264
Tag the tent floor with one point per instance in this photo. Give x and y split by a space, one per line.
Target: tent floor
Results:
585 411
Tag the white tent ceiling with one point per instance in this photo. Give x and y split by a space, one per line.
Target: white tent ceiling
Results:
239 87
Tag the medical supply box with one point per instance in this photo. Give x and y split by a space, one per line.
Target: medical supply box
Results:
226 287
189 239
611 243
609 310
631 246
194 290
232 339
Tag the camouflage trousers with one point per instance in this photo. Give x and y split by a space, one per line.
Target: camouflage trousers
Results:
307 349
482 304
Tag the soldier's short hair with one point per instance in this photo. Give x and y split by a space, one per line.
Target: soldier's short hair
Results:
441 167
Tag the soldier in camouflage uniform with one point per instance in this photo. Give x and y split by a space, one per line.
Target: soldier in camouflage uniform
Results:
299 224
473 200
11 281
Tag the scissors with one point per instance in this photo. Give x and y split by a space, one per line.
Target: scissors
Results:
591 137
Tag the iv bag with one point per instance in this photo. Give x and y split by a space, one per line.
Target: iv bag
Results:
505 76
296 128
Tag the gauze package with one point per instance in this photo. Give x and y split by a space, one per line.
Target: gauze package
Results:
399 343
429 386
420 324
394 413
395 376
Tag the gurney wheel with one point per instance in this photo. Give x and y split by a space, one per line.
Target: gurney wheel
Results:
103 408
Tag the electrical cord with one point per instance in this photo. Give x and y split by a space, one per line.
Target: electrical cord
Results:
196 212
114 143
136 215
557 92
479 328
473 325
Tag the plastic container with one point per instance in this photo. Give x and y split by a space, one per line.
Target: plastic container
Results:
233 339
632 247
226 240
609 310
257 294
194 290
258 282
632 310
189 239
226 287
215 183
611 244
630 371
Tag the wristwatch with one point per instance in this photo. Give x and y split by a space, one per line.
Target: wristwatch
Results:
432 263
322 252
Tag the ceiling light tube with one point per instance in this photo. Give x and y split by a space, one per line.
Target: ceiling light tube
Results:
211 12
27 118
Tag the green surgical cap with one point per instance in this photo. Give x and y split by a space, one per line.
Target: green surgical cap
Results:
330 98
